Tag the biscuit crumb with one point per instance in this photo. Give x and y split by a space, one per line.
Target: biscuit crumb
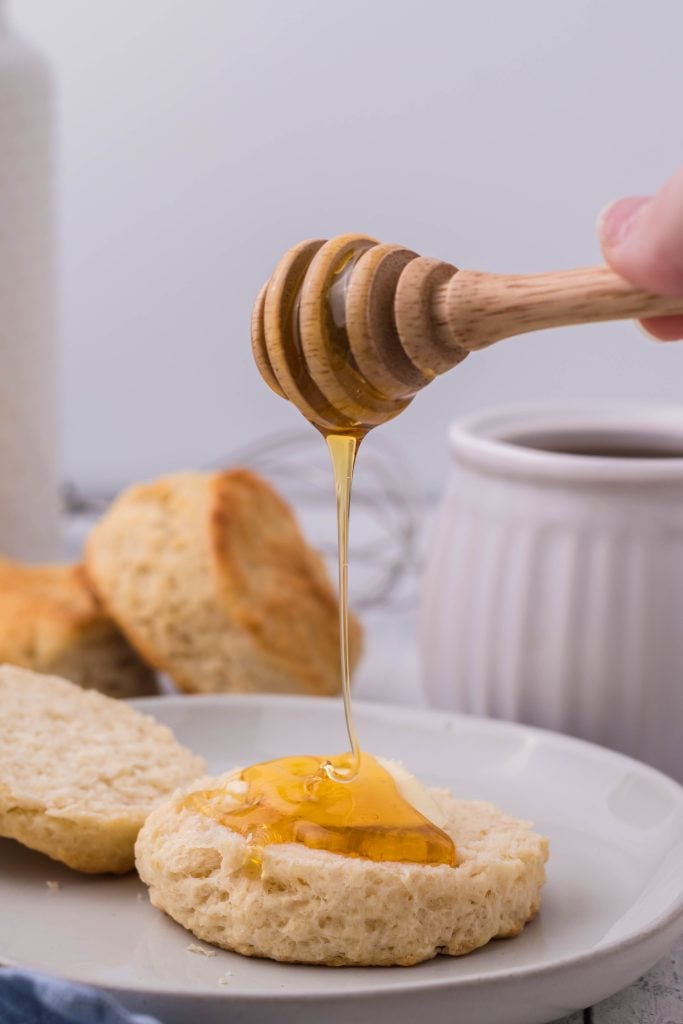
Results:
194 948
140 897
225 978
53 886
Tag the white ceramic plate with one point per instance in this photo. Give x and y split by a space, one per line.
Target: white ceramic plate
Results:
612 906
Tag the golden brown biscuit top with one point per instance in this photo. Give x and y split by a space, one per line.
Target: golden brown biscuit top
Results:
42 606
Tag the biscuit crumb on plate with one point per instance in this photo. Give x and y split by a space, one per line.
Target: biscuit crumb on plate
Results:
53 886
194 948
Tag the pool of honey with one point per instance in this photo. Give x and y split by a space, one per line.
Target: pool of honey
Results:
296 800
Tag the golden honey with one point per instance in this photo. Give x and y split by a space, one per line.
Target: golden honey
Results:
294 800
343 450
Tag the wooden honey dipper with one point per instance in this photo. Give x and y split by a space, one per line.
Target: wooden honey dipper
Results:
349 330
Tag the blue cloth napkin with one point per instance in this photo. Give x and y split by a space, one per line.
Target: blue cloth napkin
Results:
27 998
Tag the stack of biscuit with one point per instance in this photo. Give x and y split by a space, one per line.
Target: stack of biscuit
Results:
205 577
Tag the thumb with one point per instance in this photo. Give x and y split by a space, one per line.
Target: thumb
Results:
642 239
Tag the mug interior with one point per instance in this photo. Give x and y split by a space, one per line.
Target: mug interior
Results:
605 443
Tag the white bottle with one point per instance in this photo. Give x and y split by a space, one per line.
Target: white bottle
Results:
29 493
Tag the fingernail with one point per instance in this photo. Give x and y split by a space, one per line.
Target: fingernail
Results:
616 220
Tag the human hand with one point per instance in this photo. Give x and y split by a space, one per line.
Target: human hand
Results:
642 239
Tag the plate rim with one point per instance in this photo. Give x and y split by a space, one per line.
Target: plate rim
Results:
411 983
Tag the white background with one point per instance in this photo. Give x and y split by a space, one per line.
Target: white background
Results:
201 138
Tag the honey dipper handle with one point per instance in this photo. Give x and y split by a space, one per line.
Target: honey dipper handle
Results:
477 309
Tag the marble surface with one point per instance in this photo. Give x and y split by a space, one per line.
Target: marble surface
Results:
656 998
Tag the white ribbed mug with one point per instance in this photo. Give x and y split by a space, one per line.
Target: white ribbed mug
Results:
553 592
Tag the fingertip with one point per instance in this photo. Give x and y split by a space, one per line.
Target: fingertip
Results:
642 239
662 328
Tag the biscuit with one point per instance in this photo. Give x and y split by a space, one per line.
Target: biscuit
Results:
311 906
51 621
80 772
210 578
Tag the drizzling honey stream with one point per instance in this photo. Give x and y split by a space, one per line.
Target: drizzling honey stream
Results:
343 450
